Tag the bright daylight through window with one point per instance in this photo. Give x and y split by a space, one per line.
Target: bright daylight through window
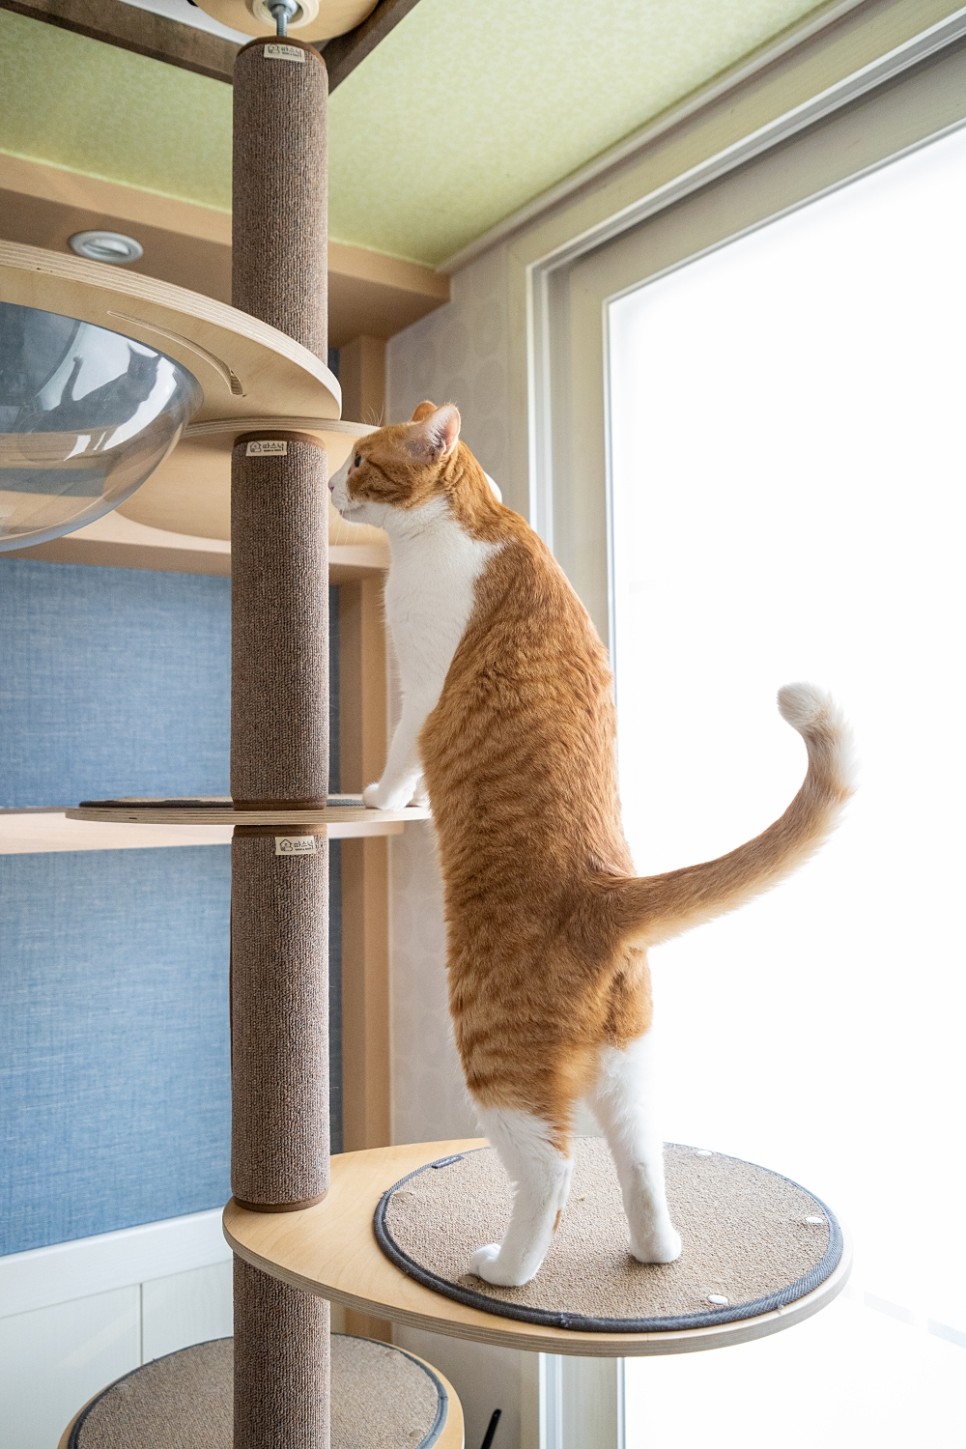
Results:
787 468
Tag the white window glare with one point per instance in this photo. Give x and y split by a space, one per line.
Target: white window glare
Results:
786 435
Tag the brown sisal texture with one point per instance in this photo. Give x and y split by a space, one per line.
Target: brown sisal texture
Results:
280 1119
279 749
382 1399
280 185
279 555
282 1347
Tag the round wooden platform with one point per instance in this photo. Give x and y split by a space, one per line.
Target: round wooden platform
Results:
343 818
331 1250
245 368
382 1397
190 492
313 21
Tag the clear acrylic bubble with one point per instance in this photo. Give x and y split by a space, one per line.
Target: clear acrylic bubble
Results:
86 415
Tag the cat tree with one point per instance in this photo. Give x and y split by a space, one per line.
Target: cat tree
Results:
301 1227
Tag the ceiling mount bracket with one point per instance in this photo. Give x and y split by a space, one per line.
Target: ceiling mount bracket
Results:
283 11
313 20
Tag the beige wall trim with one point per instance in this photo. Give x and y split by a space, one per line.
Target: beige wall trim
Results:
25 176
362 377
365 874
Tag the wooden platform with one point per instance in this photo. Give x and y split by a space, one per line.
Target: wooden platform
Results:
331 1250
36 832
344 818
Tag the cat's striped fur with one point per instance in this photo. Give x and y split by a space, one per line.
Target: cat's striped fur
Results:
508 718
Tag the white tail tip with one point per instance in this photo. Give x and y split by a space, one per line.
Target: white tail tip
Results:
804 706
818 718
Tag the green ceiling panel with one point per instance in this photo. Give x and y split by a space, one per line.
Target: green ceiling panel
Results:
93 108
467 111
473 107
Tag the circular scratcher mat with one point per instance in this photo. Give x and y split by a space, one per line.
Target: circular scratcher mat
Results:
753 1242
381 1399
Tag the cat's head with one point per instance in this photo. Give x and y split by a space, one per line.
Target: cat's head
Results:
402 477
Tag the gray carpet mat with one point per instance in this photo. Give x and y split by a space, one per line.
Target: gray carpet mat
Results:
381 1399
753 1241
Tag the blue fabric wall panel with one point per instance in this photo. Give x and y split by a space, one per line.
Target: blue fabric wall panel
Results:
116 682
114 1041
114 1053
112 682
114 1083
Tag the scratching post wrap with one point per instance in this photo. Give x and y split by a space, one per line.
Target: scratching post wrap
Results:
280 182
282 1346
279 750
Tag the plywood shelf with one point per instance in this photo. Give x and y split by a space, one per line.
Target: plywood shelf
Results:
331 1250
36 832
244 367
118 542
190 493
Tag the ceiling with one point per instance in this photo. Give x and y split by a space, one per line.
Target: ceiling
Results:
462 115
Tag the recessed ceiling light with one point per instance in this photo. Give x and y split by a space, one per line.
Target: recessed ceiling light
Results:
106 246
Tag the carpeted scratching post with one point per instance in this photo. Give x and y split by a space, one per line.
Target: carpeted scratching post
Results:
279 748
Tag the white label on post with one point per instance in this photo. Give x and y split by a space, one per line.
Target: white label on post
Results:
296 845
285 52
275 446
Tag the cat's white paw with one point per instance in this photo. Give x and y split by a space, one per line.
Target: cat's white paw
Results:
660 1245
486 1264
380 797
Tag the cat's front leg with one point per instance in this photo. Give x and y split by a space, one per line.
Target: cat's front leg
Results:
403 774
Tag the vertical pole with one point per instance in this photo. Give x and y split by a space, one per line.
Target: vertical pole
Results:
279 749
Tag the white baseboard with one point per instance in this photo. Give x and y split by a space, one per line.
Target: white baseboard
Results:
86 1266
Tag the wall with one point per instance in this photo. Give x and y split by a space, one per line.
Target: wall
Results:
76 1316
114 1051
114 1069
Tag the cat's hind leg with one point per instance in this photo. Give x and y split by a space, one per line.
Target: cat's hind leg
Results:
540 1174
622 1099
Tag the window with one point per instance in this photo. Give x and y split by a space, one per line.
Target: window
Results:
768 372
787 461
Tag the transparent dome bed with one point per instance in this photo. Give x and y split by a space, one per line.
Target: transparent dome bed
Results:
86 415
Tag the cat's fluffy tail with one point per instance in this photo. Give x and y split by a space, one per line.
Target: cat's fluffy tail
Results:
654 908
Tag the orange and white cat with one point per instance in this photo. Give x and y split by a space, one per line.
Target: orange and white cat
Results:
508 721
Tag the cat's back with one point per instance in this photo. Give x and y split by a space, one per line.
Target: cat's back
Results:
520 751
528 616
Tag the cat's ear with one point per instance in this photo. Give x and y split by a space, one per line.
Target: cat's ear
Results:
424 411
437 434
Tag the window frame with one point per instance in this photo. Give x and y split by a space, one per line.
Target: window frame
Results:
883 80
856 88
